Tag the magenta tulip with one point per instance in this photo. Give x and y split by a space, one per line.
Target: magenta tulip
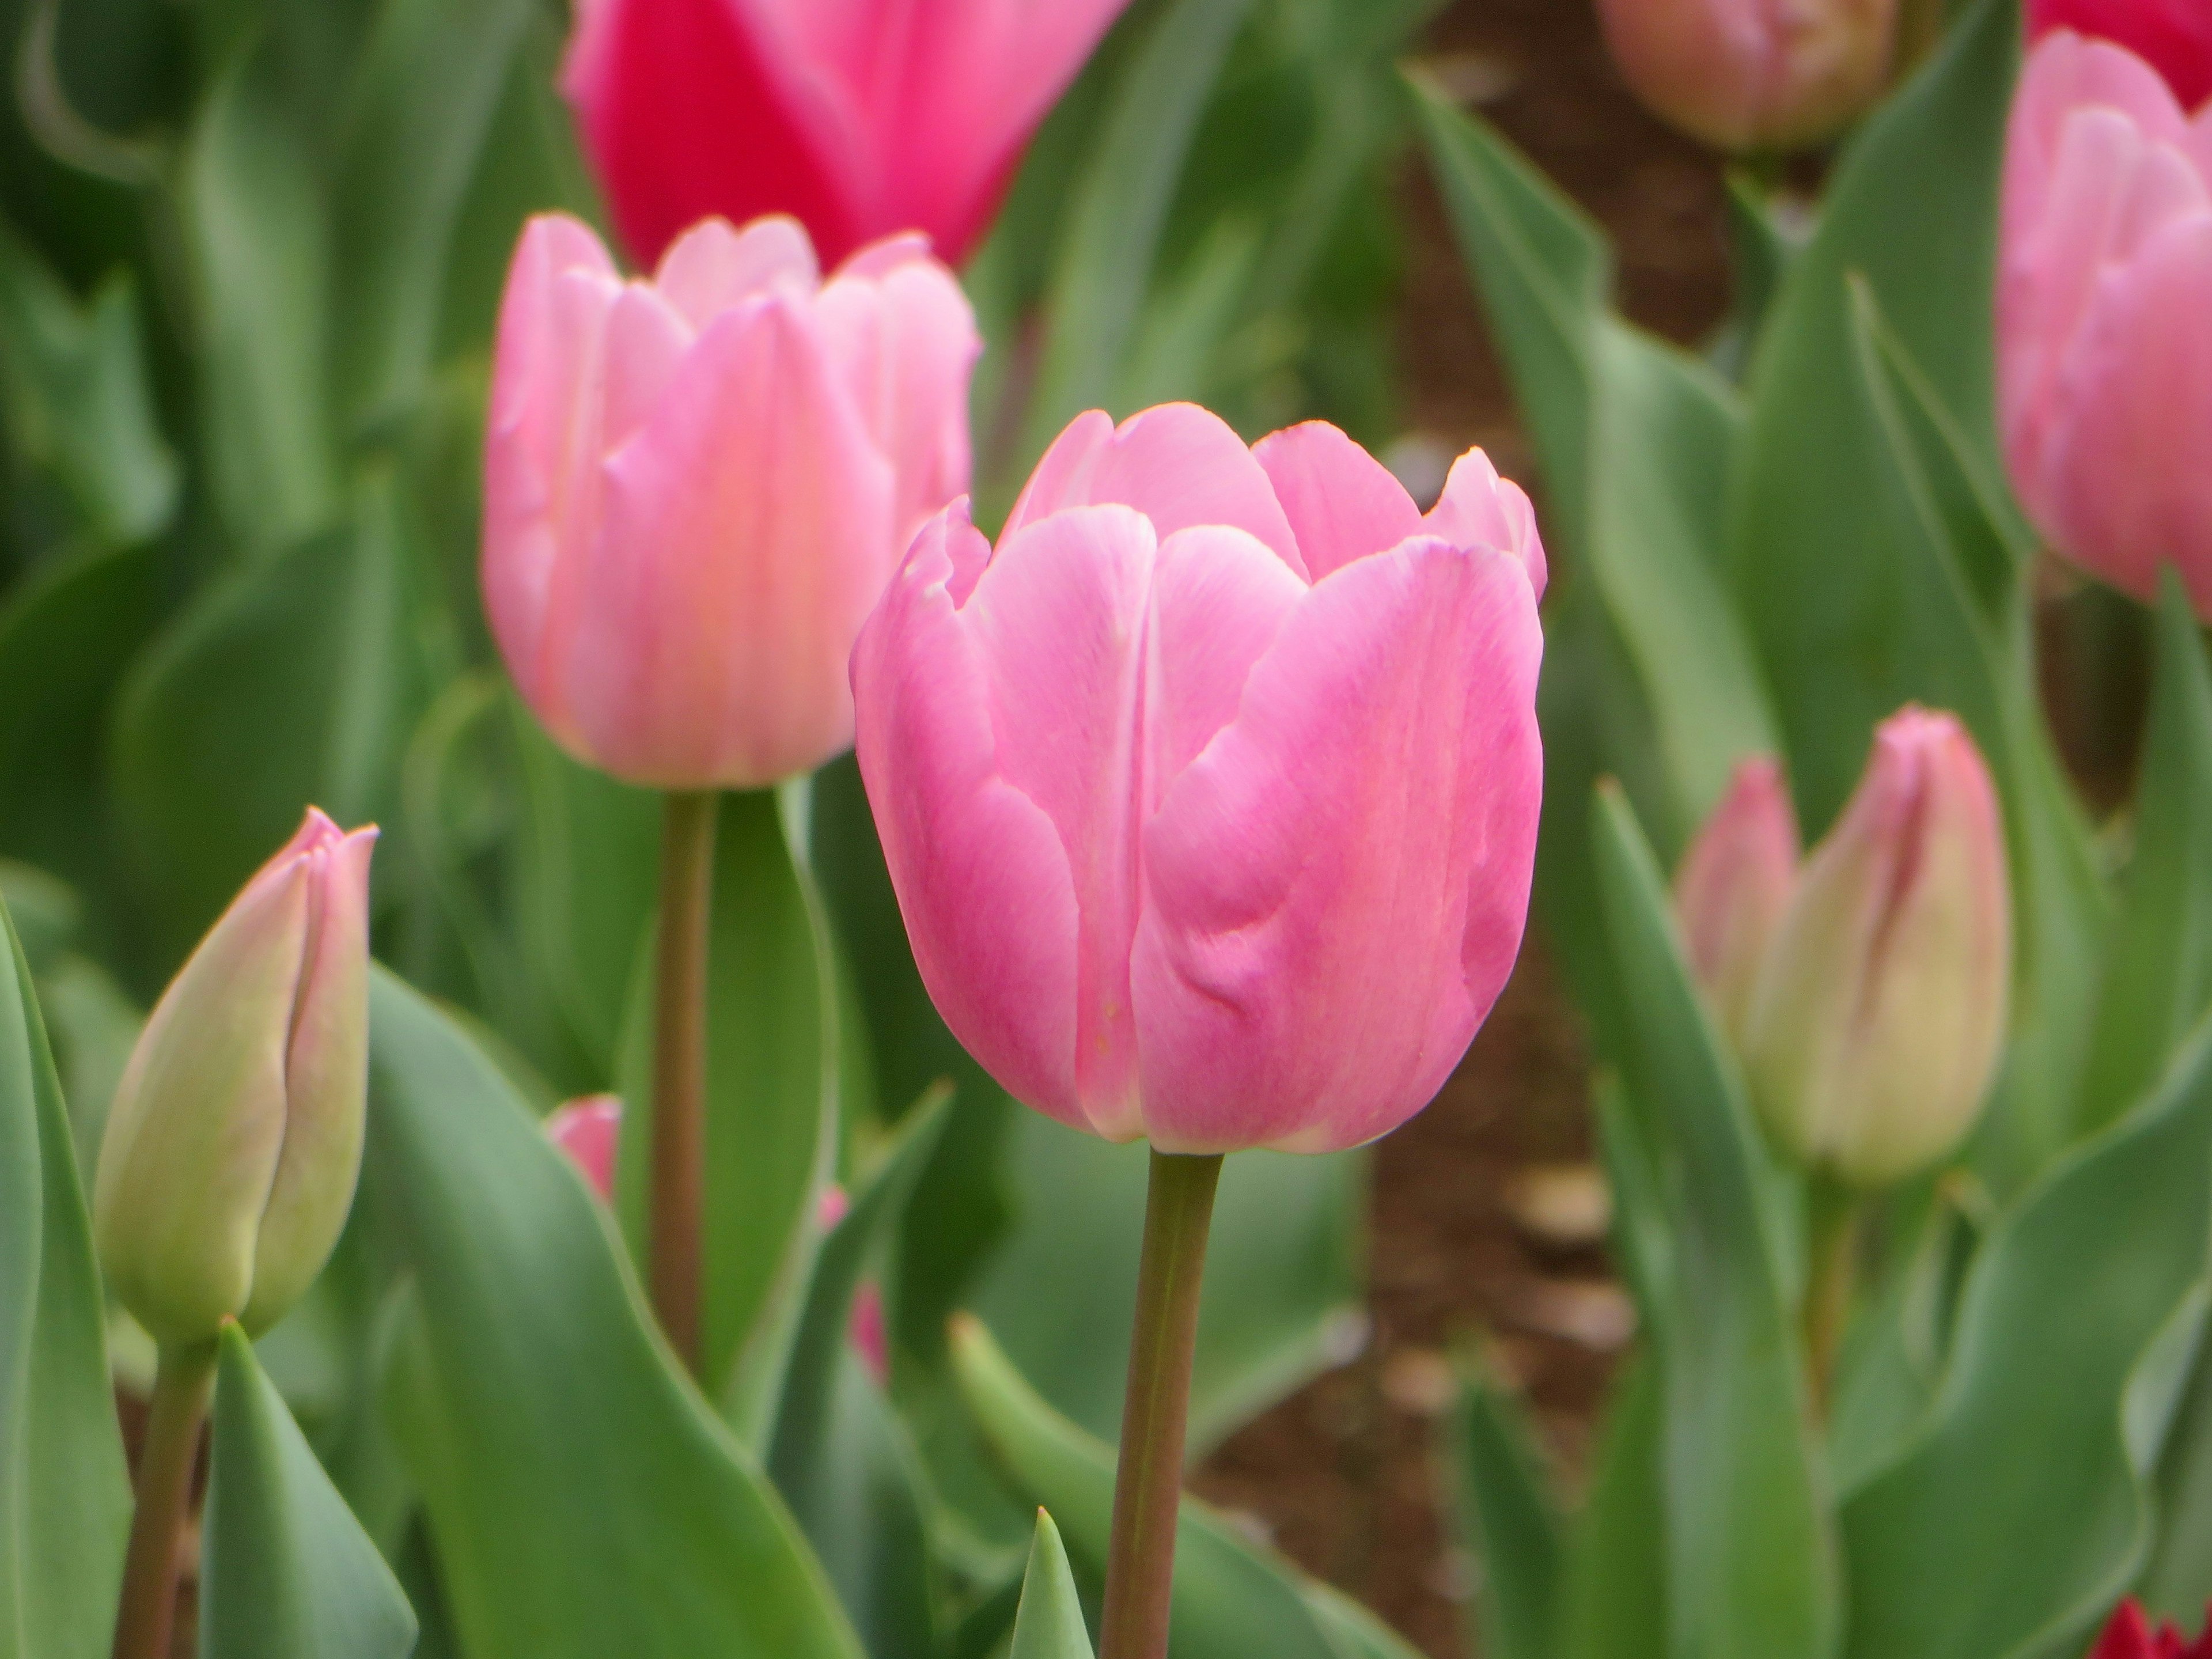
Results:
1210 796
2105 365
2174 36
1735 884
859 117
1754 75
696 486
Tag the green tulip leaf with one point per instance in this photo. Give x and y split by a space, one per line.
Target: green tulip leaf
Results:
1508 1521
1615 1578
2176 1581
1232 1599
287 1573
64 1494
1050 1623
1981 1540
1751 1563
583 1498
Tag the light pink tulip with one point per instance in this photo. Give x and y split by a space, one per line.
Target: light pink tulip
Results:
696 486
2105 362
1881 1012
1210 796
1734 885
589 1130
860 118
2174 36
1754 75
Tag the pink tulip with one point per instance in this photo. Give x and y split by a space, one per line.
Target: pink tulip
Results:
1879 1012
2173 36
860 118
2105 364
589 1130
1734 885
1210 797
1754 75
696 486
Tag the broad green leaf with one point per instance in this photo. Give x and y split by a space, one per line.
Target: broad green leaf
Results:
1050 1623
75 392
1982 1541
584 1499
64 1495
771 1102
2158 966
258 233
1751 1566
1615 1577
288 1572
2176 1581
1509 1520
1232 1599
278 687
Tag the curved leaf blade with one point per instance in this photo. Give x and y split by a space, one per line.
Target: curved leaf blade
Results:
1049 1625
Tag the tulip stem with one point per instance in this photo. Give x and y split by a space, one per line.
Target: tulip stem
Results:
1832 1279
679 1067
1156 1412
147 1607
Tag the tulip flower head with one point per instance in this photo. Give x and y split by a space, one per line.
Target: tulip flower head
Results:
2130 1636
589 1130
859 117
231 1152
696 487
1210 796
2105 367
1754 75
1734 885
1881 1009
2174 36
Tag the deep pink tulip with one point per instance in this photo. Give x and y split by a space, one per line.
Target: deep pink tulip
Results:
2174 36
696 486
1210 795
589 1130
1734 885
1754 75
859 117
2130 1636
2105 364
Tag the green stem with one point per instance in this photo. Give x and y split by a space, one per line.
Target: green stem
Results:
1154 1415
147 1607
679 1068
1832 1279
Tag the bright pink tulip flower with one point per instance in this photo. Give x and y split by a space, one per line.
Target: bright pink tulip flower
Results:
860 118
2130 1636
2103 360
1210 796
2174 36
696 486
589 1130
1734 885
1754 75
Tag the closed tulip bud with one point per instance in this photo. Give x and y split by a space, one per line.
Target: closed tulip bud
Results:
1734 885
231 1152
696 487
2174 36
860 118
1881 1012
589 1130
1210 796
2104 363
1754 75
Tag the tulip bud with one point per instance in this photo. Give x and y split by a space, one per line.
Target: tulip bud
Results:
1879 1016
231 1152
1732 886
1754 75
2174 36
588 1130
2130 1636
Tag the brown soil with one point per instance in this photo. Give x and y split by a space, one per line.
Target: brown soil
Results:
1343 1476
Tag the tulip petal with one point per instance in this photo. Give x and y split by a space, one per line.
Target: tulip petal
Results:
1480 509
1342 502
746 533
645 340
1178 465
714 265
982 882
1219 599
1335 890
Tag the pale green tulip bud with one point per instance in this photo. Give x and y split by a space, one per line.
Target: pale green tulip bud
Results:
232 1150
1733 887
1881 1012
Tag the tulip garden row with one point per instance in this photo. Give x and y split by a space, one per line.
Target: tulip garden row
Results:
901 897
